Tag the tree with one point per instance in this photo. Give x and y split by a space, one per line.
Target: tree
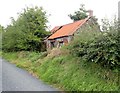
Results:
1 30
110 25
35 22
80 14
11 39
27 32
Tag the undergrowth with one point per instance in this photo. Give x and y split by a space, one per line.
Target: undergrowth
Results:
89 63
65 71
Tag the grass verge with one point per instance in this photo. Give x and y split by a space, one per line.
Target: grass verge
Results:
65 71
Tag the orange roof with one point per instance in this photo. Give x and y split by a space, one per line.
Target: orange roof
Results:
55 29
67 29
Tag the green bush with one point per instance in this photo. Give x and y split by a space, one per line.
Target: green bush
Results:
102 48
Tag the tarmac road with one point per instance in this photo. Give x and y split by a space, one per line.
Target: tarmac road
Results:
16 79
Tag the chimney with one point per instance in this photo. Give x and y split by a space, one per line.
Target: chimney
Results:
90 13
119 10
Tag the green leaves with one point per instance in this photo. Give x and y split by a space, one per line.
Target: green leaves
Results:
27 32
1 30
80 14
102 48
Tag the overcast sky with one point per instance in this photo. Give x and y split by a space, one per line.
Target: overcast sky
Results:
59 9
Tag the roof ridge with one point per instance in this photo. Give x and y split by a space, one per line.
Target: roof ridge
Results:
73 22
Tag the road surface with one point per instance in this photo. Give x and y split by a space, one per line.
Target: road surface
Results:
16 79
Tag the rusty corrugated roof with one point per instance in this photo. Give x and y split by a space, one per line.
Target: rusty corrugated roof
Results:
67 29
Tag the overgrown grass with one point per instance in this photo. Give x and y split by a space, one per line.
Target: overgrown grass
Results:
89 63
0 53
78 66
65 71
25 59
75 74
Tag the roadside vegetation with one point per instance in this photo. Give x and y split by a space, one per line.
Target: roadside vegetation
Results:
27 32
89 63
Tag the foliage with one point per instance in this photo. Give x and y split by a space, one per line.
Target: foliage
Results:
76 69
13 40
110 25
80 14
1 30
102 48
67 72
27 32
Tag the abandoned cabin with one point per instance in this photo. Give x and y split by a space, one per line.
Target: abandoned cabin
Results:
62 35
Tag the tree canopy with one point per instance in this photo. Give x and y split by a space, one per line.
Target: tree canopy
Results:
1 30
80 14
27 32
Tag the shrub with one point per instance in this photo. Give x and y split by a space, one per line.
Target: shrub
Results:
102 48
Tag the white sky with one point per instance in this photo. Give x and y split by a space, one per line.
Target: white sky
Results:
59 9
